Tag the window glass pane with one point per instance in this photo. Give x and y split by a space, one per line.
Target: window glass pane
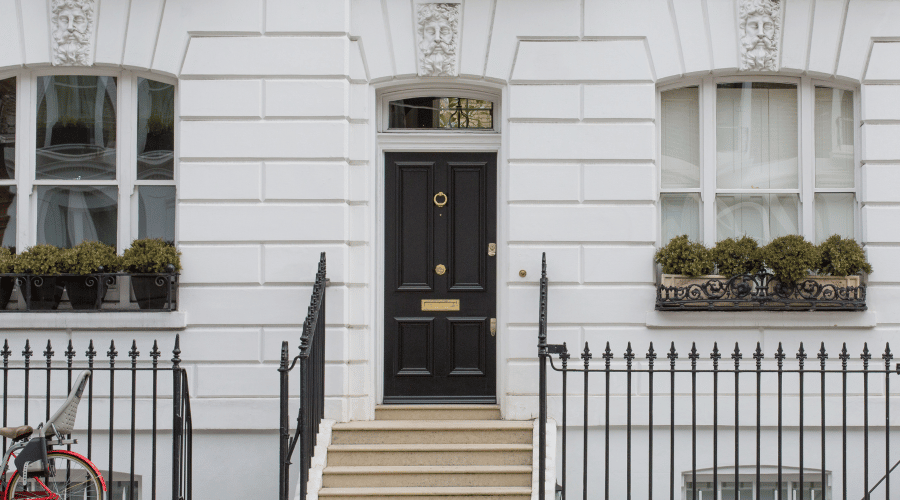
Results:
442 113
8 217
76 127
745 491
756 136
680 215
769 491
8 128
71 214
834 138
834 215
681 138
761 216
155 130
156 216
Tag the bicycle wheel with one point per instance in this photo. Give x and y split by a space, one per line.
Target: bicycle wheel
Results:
74 479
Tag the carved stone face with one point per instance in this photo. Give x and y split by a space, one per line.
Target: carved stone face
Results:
759 36
437 27
71 25
72 32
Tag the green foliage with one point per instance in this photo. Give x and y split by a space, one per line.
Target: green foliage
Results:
791 258
681 256
39 259
88 257
734 257
150 256
7 260
843 257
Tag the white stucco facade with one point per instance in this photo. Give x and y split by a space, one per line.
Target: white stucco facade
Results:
280 143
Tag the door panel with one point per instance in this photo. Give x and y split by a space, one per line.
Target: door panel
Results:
447 355
414 213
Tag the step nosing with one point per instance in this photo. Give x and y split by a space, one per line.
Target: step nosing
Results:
428 447
427 469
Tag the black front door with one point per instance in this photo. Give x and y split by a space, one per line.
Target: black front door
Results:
440 278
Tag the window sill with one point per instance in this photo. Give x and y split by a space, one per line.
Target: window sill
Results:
760 319
56 320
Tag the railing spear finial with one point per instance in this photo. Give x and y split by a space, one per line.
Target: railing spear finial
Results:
887 356
694 355
607 355
801 355
134 353
27 352
629 355
822 355
154 353
70 352
651 356
48 352
176 352
844 356
866 356
758 356
673 355
715 355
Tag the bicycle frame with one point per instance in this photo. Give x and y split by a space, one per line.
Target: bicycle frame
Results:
50 444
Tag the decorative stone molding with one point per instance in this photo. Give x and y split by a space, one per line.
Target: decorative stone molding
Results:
760 34
72 26
438 38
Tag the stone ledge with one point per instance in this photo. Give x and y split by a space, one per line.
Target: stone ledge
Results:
757 319
54 320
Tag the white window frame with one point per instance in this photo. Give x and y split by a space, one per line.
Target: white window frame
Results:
127 224
807 153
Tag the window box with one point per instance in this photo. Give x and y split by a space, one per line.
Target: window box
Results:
760 292
155 292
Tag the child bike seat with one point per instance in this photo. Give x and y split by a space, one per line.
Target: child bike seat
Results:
64 418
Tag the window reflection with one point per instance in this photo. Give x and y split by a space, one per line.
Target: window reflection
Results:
8 217
72 214
441 113
156 218
155 130
8 128
76 127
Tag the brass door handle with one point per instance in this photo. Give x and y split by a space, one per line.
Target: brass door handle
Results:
440 269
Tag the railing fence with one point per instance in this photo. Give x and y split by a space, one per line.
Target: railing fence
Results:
312 390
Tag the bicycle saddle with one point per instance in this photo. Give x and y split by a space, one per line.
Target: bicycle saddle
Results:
16 433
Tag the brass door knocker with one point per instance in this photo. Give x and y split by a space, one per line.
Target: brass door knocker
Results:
440 203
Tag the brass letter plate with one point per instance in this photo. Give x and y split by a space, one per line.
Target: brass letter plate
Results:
440 304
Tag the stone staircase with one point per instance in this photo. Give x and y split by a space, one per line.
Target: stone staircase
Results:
430 452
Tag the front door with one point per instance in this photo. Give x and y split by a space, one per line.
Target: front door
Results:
440 278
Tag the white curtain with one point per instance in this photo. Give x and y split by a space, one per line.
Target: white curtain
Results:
681 138
756 136
834 215
834 138
680 215
761 216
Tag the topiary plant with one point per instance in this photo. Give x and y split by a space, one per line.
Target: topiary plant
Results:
39 259
151 255
88 257
7 260
791 258
735 257
843 257
681 256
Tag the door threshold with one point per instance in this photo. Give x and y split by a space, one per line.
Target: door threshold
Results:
434 400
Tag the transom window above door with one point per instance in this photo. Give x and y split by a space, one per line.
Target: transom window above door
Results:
441 113
736 160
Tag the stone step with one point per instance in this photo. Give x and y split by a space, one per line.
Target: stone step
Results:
433 431
437 412
427 476
469 493
429 454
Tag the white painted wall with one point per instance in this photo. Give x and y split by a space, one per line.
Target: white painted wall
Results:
278 160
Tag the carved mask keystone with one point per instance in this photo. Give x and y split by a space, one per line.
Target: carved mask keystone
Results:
760 34
72 26
438 36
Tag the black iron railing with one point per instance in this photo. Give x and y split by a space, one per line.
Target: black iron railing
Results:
761 292
42 390
87 292
312 390
648 412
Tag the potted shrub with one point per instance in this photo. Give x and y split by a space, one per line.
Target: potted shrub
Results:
682 258
843 258
735 257
791 258
146 259
86 259
42 290
7 283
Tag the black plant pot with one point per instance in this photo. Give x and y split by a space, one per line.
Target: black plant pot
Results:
85 292
150 290
43 292
7 283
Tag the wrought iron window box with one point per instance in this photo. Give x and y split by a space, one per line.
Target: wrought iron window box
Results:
86 293
761 292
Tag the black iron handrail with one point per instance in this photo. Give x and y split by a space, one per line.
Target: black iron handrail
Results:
707 368
312 389
30 370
